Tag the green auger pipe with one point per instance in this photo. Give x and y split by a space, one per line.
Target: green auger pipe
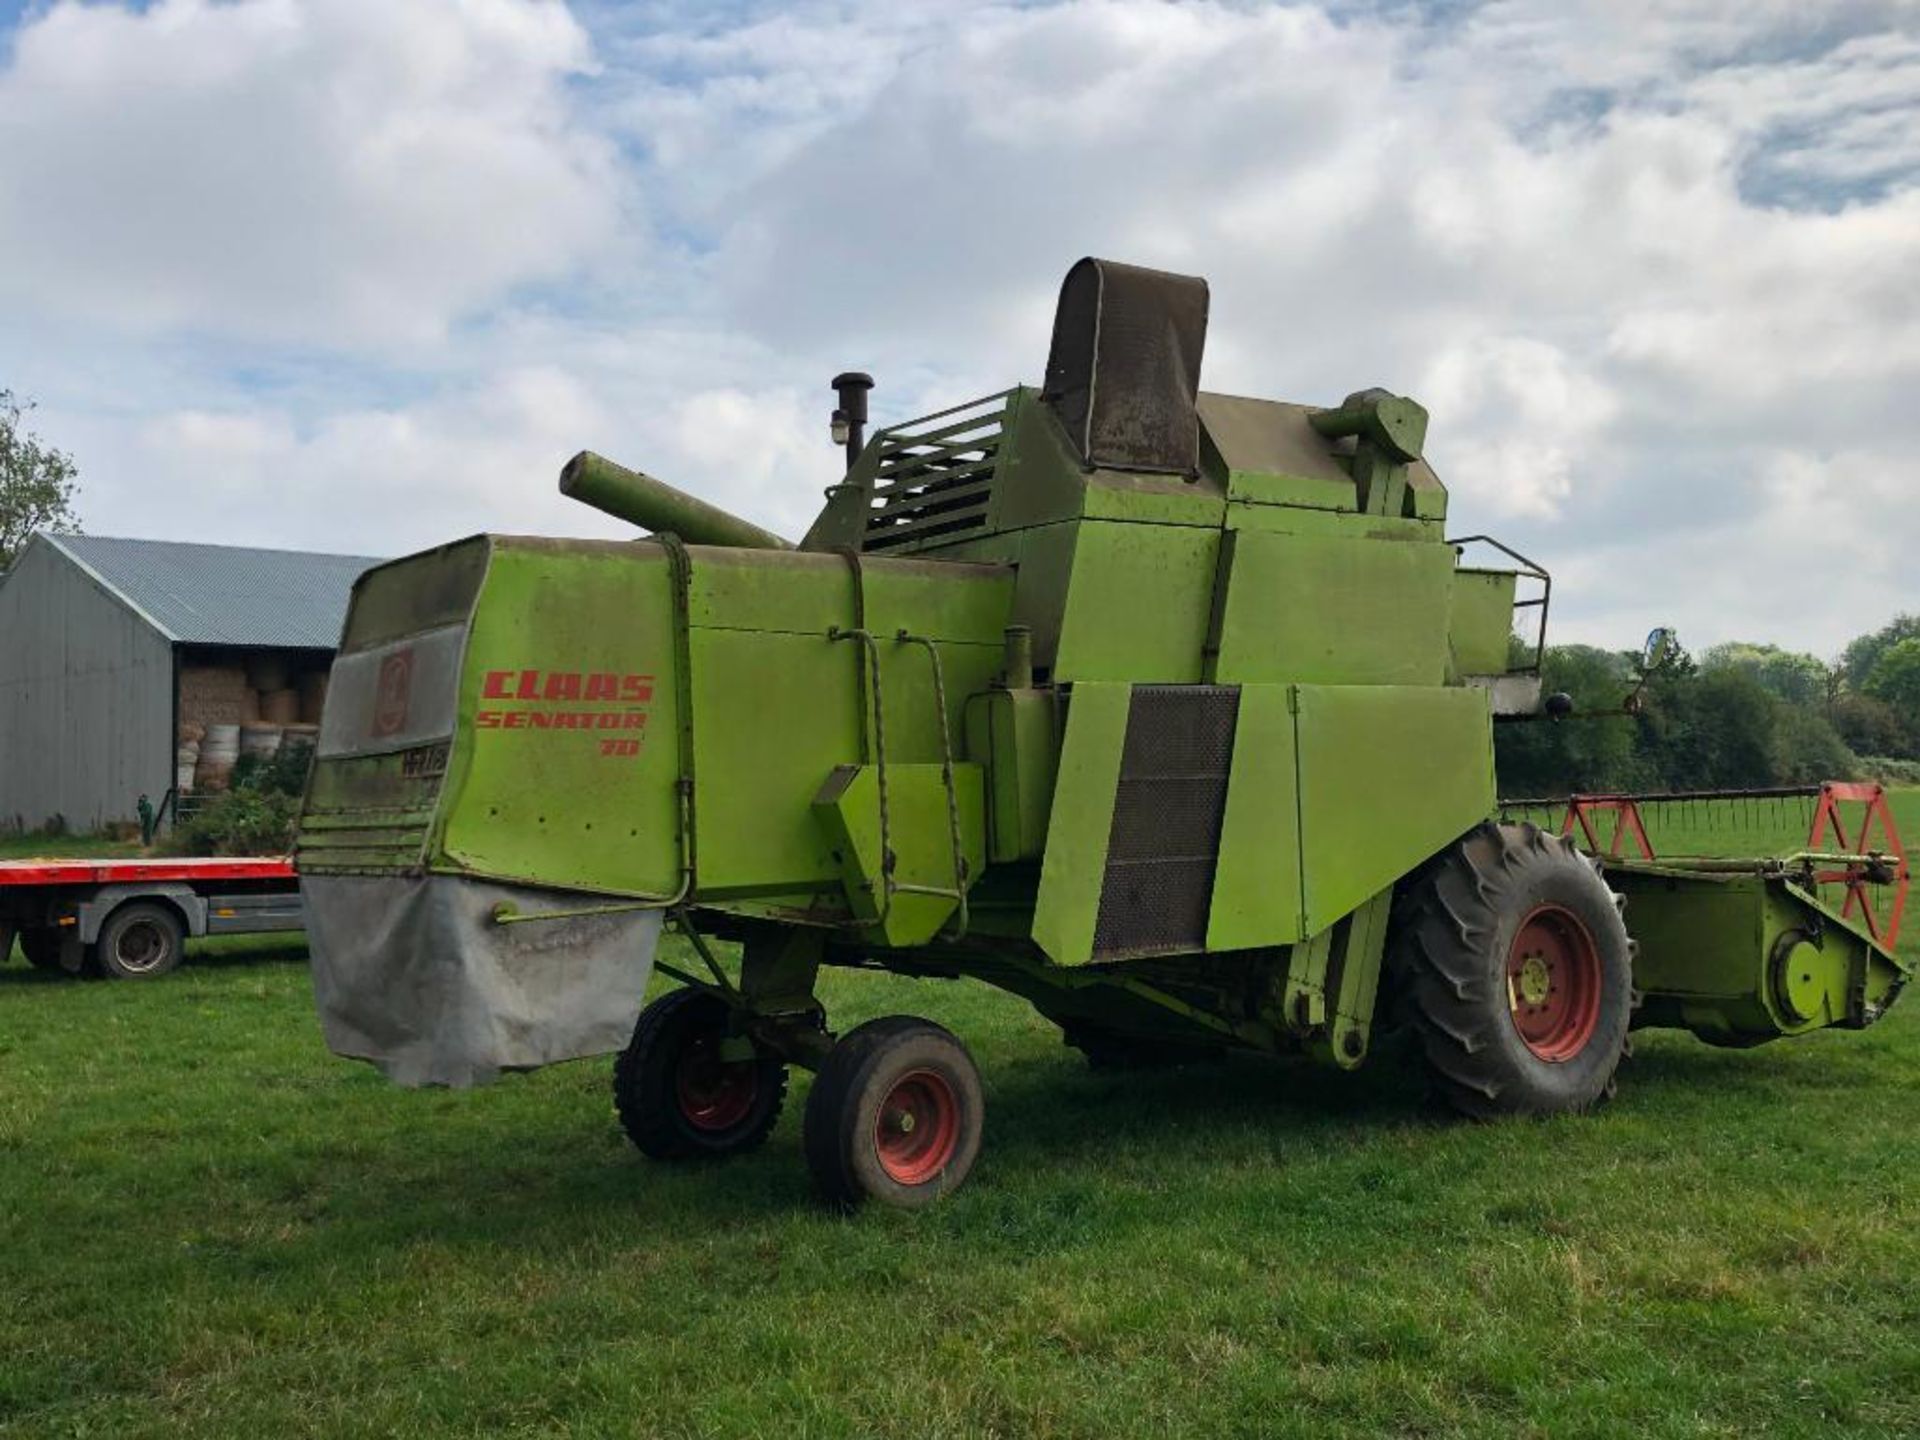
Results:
656 506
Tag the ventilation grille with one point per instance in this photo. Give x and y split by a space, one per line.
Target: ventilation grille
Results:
936 476
1165 840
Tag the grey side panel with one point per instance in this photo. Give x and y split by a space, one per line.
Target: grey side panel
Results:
103 902
394 697
255 914
413 974
86 698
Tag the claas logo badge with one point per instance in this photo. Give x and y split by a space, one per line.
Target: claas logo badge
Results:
391 700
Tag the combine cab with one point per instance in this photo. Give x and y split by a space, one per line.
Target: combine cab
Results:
1169 711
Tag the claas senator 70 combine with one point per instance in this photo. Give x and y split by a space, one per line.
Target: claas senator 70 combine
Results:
1171 712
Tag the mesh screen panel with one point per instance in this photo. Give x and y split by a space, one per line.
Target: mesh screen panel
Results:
1165 838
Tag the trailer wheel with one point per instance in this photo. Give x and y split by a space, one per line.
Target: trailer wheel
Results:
1517 972
140 942
677 1098
41 945
894 1115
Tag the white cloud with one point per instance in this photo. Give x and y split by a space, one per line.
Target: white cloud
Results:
1522 414
349 173
1649 264
1823 556
389 480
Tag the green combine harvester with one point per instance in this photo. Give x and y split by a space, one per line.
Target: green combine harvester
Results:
1171 712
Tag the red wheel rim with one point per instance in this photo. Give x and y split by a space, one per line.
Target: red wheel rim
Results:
918 1128
714 1094
1553 983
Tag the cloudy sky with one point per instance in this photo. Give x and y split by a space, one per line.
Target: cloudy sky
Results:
360 275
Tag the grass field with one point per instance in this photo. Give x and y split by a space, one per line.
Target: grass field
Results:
211 1227
27 847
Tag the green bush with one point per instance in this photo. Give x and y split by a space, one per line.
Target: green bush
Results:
1722 724
1890 770
257 815
1591 751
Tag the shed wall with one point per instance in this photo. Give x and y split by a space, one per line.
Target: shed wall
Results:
86 698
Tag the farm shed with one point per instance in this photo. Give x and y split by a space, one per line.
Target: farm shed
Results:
113 652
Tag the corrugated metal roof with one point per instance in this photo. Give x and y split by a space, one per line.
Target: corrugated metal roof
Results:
223 594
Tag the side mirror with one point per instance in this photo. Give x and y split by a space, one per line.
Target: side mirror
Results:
1661 643
1659 646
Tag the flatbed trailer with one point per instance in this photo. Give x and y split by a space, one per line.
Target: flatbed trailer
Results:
130 918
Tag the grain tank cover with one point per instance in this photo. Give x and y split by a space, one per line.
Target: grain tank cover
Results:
1124 368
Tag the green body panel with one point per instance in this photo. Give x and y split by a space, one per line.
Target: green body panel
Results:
1739 958
1480 621
1302 845
1256 887
1042 561
1389 775
1152 500
565 754
1015 736
1333 610
1037 480
792 592
752 799
1040 481
918 836
1081 819
1156 581
546 784
1294 520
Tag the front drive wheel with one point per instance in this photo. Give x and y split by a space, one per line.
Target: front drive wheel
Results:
679 1098
894 1115
140 942
1517 974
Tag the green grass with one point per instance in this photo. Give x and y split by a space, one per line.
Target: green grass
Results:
29 847
211 1227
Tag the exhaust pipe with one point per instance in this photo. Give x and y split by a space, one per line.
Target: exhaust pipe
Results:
656 506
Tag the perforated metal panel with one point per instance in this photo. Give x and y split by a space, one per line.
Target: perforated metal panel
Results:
1161 852
1124 367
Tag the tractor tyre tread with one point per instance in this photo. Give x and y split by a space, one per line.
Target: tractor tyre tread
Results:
1452 927
643 1085
843 1175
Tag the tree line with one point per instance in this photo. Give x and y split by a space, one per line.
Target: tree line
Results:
1738 716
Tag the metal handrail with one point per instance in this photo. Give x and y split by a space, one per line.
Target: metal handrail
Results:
1533 570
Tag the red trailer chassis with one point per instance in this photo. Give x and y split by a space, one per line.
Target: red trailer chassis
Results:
130 918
